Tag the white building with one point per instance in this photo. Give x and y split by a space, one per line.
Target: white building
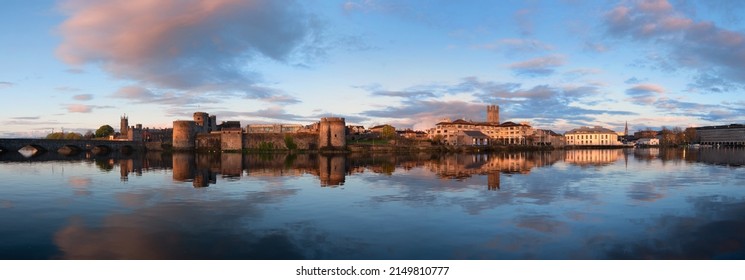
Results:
591 136
648 142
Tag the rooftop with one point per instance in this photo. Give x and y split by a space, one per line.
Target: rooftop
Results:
475 133
586 129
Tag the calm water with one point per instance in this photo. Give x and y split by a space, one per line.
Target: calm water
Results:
586 204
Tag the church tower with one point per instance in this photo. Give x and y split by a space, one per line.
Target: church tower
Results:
124 126
492 114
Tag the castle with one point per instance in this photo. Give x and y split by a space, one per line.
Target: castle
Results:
203 133
140 134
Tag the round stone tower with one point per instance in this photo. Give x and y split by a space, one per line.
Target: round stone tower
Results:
332 133
184 133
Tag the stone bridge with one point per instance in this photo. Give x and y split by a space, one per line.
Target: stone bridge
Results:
54 145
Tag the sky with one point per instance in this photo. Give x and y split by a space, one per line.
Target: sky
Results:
74 65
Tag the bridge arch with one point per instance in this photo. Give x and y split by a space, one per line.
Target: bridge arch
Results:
100 150
31 150
69 150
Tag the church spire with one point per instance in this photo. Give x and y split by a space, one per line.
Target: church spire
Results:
626 130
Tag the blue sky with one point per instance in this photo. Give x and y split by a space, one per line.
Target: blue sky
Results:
76 65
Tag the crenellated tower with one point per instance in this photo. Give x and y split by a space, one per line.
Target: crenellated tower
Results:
124 126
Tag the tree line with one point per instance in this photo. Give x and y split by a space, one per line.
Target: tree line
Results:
102 132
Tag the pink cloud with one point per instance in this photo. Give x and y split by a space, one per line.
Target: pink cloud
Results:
79 108
185 45
655 6
715 53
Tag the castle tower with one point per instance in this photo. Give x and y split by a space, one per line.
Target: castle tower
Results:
184 133
202 120
492 114
332 133
124 126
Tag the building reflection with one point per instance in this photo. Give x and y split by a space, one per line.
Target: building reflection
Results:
646 153
728 156
588 157
203 170
461 166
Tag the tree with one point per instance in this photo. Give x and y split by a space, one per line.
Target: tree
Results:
690 135
437 139
89 134
388 132
55 135
104 131
73 136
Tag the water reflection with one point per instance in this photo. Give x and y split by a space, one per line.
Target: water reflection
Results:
593 157
461 166
331 170
630 204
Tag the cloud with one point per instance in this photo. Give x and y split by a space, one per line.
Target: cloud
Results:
596 47
83 97
26 118
576 73
66 88
364 6
79 108
719 113
406 94
543 104
519 45
524 21
541 66
135 93
6 84
645 94
188 46
634 80
83 108
274 114
713 52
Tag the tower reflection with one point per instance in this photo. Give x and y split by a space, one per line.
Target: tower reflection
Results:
332 170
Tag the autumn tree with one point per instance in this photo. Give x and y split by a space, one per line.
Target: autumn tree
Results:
388 132
689 135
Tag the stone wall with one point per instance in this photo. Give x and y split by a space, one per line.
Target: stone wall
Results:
231 140
208 142
303 141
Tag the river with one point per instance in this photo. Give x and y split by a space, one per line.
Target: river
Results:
575 204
